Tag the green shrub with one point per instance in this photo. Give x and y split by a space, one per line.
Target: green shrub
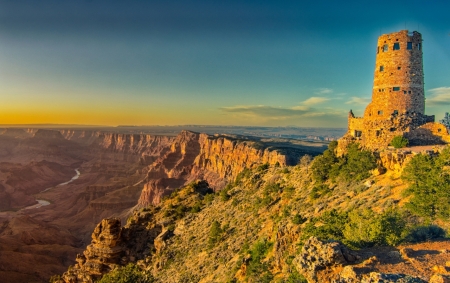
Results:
365 228
180 211
208 198
322 164
295 277
429 184
328 226
127 274
215 233
196 207
289 192
319 191
242 175
257 269
399 142
298 219
224 196
425 233
263 167
355 165
358 228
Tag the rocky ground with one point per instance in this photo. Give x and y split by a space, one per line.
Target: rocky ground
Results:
260 237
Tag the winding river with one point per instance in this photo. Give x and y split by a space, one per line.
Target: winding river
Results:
42 202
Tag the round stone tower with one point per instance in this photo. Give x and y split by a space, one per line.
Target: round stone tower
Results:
398 102
398 80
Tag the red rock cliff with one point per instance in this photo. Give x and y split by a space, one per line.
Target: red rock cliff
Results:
216 159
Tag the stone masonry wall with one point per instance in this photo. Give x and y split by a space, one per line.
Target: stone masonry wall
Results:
398 76
398 101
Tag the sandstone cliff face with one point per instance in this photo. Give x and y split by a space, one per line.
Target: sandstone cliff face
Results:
113 245
81 136
133 147
228 157
193 156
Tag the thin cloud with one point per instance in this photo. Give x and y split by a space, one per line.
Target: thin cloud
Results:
324 91
315 100
279 113
358 100
267 111
438 96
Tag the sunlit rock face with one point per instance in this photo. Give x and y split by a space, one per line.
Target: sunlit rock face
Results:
192 156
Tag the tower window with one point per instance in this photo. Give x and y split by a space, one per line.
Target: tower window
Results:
378 133
385 48
395 112
397 46
409 46
381 68
404 92
380 112
358 134
396 88
419 46
399 68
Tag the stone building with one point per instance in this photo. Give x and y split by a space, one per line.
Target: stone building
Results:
398 98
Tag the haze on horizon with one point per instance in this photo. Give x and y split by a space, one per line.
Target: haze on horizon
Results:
262 63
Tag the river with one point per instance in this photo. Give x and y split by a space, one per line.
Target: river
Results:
42 202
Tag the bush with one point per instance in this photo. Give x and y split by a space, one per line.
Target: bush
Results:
355 165
242 175
399 142
224 196
295 277
298 219
429 184
289 192
263 167
127 274
258 270
358 228
328 226
425 233
208 198
366 228
196 208
319 191
215 233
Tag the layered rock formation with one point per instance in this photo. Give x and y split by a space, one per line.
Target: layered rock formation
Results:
113 245
102 255
216 159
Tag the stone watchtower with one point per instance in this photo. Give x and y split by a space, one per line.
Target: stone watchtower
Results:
398 100
398 77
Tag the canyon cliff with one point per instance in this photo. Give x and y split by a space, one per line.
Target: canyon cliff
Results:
115 172
216 159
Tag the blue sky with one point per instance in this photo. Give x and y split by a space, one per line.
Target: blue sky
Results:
271 63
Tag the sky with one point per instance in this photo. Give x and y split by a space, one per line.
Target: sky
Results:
247 63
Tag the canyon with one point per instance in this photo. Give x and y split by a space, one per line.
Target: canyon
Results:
117 173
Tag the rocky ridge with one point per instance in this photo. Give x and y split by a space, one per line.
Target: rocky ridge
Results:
113 168
216 159
263 217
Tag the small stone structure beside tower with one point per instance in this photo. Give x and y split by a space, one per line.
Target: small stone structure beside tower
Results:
398 98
